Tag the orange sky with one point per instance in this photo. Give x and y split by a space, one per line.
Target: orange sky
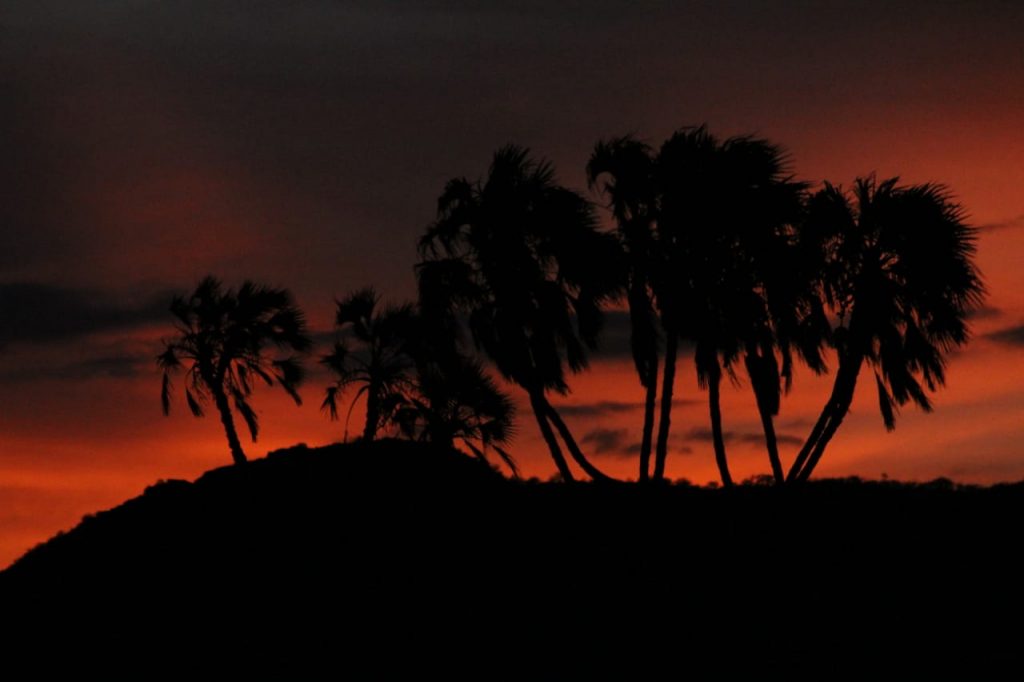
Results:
151 146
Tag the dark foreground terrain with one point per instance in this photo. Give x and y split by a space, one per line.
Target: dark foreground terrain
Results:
394 560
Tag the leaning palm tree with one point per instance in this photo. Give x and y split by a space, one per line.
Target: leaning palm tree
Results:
901 279
626 166
222 344
373 356
521 257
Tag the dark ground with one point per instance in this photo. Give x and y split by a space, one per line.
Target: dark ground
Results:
391 559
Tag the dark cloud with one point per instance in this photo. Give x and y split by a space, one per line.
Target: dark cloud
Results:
607 407
606 440
604 407
1015 222
985 312
46 313
613 443
703 434
614 341
615 336
1010 336
676 448
107 366
800 423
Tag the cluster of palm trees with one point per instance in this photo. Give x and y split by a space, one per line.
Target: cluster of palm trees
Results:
715 246
409 377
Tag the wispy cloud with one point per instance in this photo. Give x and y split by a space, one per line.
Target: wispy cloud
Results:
607 407
703 434
1015 222
1010 336
115 365
606 440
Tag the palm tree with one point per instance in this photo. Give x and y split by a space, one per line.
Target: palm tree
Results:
628 168
379 362
732 283
521 256
222 342
455 401
901 279
754 289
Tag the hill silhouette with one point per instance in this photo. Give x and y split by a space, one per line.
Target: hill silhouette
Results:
385 558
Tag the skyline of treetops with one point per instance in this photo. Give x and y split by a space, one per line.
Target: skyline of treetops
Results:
713 245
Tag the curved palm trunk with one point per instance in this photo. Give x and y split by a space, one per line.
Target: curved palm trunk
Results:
221 401
668 381
771 443
828 423
715 407
840 409
570 443
764 409
650 404
812 439
537 402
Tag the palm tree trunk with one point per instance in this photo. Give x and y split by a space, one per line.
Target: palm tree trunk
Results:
668 381
764 409
771 442
570 443
714 404
831 416
840 409
650 403
372 413
812 439
221 401
537 403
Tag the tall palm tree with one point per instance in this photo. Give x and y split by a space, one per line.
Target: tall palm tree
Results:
759 291
627 167
521 256
375 355
727 220
901 280
222 343
694 290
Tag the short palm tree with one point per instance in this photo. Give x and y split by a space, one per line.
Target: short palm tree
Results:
455 401
222 343
901 280
373 355
521 257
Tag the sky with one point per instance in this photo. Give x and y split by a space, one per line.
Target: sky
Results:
304 144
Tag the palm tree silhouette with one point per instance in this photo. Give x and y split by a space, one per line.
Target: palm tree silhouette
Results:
223 337
901 279
753 289
521 256
456 401
708 230
627 166
379 362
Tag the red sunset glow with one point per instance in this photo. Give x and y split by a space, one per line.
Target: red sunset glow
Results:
150 147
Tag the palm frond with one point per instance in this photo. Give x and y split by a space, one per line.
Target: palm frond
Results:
248 414
194 404
165 393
